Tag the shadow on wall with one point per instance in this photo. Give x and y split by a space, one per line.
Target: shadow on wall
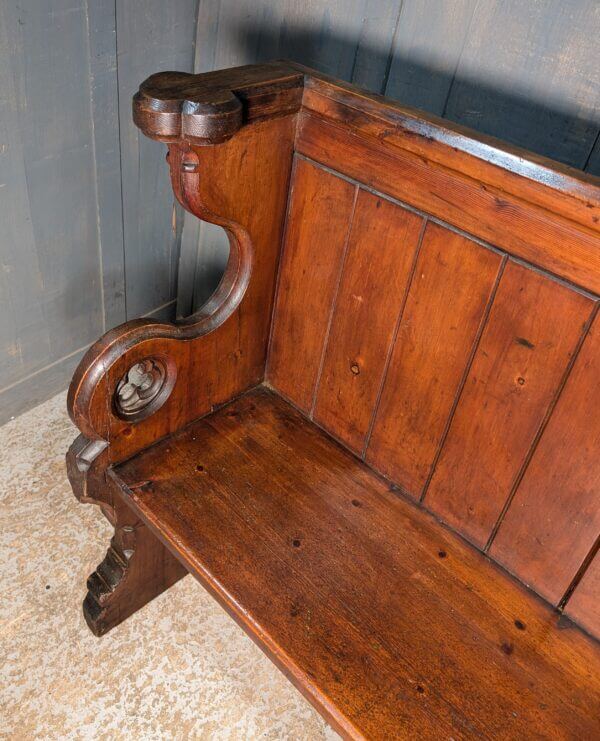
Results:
547 127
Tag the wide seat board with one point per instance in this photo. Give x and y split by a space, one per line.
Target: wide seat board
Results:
390 624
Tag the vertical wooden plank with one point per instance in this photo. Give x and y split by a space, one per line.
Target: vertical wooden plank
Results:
533 329
593 161
204 247
529 74
554 518
348 40
104 95
381 251
150 36
584 605
453 282
375 41
315 242
429 41
24 341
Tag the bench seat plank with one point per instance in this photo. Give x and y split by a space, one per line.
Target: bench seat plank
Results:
390 624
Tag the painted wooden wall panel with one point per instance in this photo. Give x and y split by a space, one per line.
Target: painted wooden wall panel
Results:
68 273
104 95
151 36
539 87
51 304
87 213
429 41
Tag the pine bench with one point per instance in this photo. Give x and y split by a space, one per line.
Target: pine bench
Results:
377 444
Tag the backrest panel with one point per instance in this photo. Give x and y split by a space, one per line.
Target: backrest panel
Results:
538 235
532 333
584 604
462 374
453 283
319 218
382 246
553 521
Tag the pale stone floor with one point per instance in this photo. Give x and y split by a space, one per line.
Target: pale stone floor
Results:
178 669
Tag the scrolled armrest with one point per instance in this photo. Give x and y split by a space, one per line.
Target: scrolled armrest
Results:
145 379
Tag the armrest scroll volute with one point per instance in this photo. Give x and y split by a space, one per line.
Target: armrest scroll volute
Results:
145 380
210 108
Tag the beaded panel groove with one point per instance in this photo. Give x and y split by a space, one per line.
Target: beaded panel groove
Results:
452 368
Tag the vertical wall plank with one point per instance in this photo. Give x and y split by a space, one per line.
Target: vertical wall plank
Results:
429 41
52 298
554 519
375 44
320 214
377 268
529 74
151 36
452 285
24 339
593 162
533 330
104 95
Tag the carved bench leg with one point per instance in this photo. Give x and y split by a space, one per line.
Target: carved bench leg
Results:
137 567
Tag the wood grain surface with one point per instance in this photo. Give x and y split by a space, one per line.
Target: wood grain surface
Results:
313 255
348 588
383 243
531 335
554 518
452 286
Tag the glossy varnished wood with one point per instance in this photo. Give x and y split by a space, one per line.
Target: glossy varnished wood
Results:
532 333
584 604
526 230
313 254
380 616
383 244
211 108
554 519
421 294
229 334
453 282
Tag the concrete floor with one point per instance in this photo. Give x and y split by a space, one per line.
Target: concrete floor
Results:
178 669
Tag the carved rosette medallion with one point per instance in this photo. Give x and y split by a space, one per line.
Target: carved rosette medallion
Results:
143 389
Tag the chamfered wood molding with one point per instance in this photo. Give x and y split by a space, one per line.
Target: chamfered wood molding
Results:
209 108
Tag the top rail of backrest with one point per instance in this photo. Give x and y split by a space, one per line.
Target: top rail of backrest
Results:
533 207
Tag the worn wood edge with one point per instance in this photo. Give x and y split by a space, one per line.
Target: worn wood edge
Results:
291 670
121 584
561 615
210 108
94 366
558 256
288 666
411 128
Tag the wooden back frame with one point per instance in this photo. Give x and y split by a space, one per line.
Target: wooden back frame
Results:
233 139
